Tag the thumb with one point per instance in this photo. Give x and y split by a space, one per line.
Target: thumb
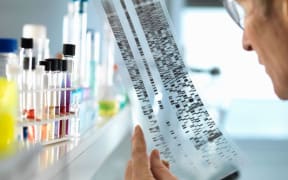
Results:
159 170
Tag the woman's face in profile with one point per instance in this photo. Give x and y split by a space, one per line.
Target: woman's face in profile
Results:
266 32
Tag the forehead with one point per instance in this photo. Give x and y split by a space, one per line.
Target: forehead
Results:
263 6
254 2
246 2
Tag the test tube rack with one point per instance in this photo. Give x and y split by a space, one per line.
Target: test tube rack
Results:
49 128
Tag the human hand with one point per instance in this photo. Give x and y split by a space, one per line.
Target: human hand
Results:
141 167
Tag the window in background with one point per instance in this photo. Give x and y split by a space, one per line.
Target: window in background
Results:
211 39
242 94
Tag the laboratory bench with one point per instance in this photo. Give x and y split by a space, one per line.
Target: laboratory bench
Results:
79 158
105 148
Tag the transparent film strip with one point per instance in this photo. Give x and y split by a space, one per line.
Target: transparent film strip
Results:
176 120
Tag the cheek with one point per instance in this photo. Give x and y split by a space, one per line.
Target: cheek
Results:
262 39
251 33
271 47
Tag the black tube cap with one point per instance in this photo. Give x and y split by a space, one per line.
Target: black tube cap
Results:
54 64
59 66
26 63
26 43
46 65
64 65
69 49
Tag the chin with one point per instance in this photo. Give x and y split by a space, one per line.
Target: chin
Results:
282 95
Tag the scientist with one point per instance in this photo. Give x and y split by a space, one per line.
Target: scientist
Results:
265 27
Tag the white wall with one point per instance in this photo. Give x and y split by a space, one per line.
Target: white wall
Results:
15 13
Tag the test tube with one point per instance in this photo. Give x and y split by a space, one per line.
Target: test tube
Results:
68 52
52 85
45 105
63 87
68 92
26 59
38 97
26 51
58 96
30 95
31 86
63 97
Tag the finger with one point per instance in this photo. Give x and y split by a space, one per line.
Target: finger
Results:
128 172
166 164
159 170
139 156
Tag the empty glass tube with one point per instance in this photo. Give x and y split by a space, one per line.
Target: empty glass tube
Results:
52 93
26 52
38 97
45 105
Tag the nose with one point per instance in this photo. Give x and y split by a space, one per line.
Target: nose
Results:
246 42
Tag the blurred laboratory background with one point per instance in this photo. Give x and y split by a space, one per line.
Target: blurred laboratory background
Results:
233 85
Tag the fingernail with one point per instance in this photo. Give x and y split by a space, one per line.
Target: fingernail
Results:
136 130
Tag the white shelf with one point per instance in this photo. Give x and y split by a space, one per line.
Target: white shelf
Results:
81 158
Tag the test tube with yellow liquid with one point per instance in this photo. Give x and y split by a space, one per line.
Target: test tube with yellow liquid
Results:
107 93
108 108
